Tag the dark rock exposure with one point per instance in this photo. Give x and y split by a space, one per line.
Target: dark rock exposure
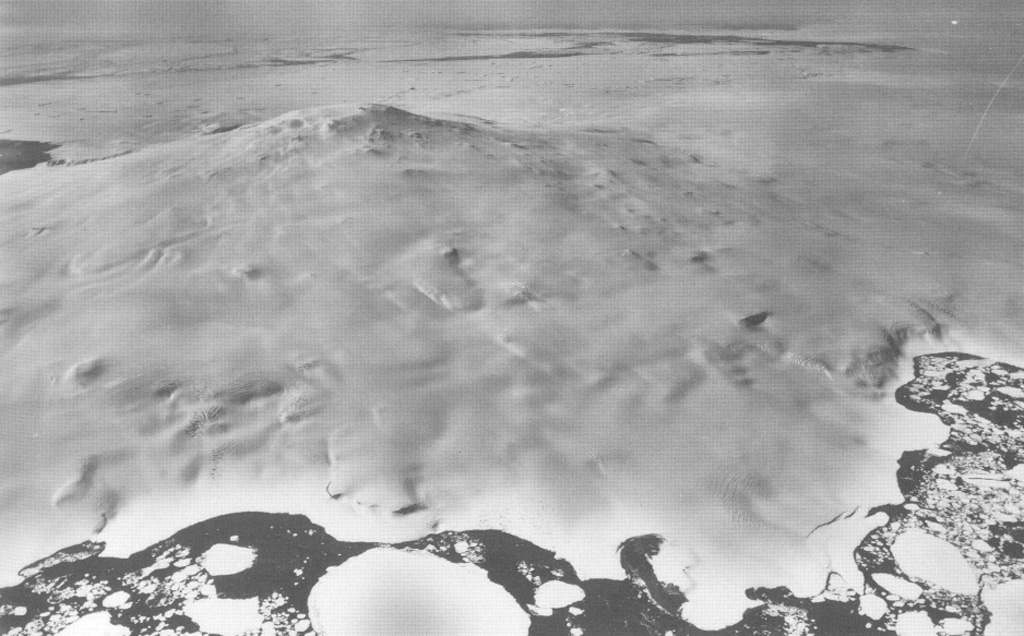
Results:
966 492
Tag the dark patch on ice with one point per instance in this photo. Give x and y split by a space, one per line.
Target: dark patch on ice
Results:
841 515
222 129
755 320
281 61
164 391
14 80
522 296
17 155
452 256
79 162
739 53
412 508
672 38
339 56
516 55
644 260
88 372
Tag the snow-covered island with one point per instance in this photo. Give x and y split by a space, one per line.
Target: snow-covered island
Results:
552 327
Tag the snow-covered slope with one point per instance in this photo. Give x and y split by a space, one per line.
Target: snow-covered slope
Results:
392 322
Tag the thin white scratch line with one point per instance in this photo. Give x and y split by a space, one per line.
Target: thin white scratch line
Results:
974 137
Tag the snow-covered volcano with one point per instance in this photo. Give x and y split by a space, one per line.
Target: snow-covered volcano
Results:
393 322
578 286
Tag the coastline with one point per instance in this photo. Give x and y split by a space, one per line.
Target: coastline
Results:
639 283
948 492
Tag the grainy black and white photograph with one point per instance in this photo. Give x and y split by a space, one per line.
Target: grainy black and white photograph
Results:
511 318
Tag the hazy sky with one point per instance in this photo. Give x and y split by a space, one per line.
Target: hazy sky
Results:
174 17
652 13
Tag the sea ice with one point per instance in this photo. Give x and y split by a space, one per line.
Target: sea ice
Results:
927 557
94 624
385 592
555 594
223 559
225 616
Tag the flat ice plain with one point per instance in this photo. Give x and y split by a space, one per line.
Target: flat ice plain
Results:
575 284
